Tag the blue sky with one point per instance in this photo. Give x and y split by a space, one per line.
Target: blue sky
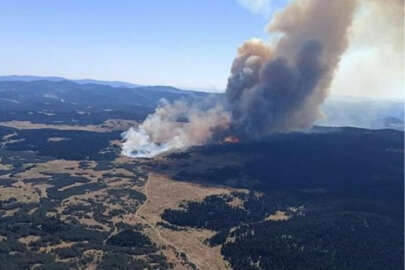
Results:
184 43
179 42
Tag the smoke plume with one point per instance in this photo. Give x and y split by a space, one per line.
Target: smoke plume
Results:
275 87
281 87
173 126
376 48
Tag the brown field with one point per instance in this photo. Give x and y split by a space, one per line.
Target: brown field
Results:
57 246
278 216
29 125
27 240
5 167
22 193
163 193
96 256
108 125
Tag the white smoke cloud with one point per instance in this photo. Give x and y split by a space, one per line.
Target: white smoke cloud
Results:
373 64
174 126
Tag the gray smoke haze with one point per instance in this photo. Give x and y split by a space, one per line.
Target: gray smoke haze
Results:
278 86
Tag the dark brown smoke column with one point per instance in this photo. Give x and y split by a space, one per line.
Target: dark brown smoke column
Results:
281 87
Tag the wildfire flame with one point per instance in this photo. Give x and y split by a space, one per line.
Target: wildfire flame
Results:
231 139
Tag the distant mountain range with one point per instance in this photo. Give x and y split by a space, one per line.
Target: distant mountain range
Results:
29 78
56 94
66 101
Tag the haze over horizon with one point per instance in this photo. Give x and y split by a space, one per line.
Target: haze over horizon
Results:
182 44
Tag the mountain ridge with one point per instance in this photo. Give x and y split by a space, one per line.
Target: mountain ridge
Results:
31 78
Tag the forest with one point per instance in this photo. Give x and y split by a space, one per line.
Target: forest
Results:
344 208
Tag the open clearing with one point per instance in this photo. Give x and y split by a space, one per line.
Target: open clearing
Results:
163 193
108 125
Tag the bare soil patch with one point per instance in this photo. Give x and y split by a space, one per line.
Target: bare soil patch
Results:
278 216
27 240
163 193
108 125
